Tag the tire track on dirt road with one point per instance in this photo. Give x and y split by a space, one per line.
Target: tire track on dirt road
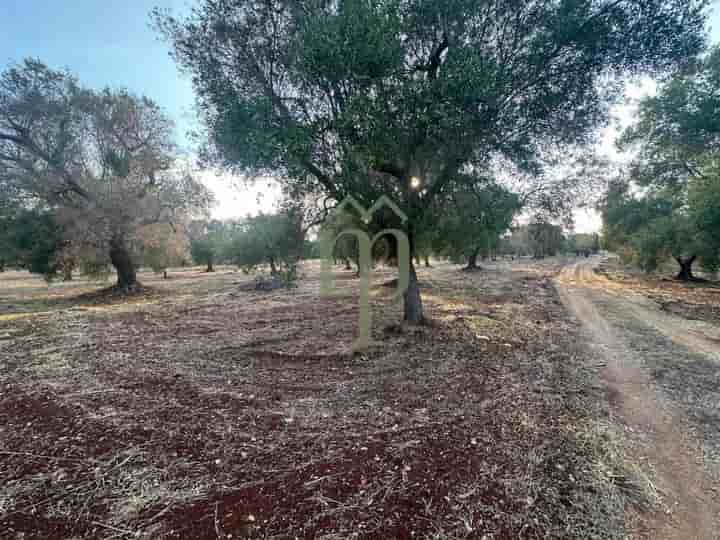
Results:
638 346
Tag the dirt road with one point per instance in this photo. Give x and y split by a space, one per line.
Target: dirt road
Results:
662 375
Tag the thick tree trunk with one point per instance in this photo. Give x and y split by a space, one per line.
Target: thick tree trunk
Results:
121 260
412 306
685 273
472 260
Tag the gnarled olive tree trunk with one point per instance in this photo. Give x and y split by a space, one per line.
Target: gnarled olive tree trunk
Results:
122 261
686 263
273 267
472 260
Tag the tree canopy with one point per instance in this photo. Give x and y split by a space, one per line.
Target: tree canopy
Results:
102 161
667 205
408 98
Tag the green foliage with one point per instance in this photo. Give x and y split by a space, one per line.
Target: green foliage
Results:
545 239
582 243
473 220
674 213
704 204
210 241
273 239
104 159
340 89
32 240
655 227
358 98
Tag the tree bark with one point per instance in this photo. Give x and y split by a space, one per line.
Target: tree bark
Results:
685 273
121 260
413 308
412 305
472 260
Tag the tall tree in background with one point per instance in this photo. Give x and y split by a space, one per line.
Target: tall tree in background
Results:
399 97
545 239
677 138
163 245
209 241
273 239
103 162
474 219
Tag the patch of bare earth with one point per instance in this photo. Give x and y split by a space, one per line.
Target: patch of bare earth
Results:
210 411
692 300
661 373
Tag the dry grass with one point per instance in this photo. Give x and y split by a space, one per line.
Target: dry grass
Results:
203 410
694 300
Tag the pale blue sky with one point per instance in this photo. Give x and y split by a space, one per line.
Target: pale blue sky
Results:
112 44
103 43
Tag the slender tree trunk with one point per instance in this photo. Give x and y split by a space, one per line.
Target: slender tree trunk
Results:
210 267
273 268
427 262
413 307
472 260
121 260
347 264
685 273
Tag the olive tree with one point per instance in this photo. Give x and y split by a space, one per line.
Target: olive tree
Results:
677 142
102 160
474 220
398 97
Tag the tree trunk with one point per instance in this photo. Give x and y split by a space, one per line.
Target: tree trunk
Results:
210 267
472 260
427 262
412 306
273 268
685 273
68 273
121 260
